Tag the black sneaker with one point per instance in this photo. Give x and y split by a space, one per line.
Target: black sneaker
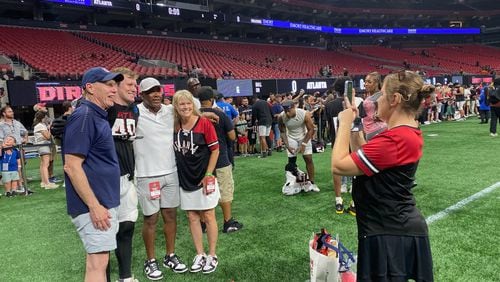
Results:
270 152
8 194
351 209
173 262
152 270
203 227
231 226
339 208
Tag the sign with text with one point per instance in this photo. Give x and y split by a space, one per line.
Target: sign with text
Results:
309 85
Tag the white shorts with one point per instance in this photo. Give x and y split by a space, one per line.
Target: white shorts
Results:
264 130
127 210
198 201
295 144
460 105
95 240
168 196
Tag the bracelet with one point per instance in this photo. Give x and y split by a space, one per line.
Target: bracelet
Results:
208 174
303 143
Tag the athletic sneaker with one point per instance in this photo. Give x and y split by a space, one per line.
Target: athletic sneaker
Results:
198 263
210 265
231 226
173 262
152 270
343 188
351 209
339 208
131 279
314 188
49 186
54 179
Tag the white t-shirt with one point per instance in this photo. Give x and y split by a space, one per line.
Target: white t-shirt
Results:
37 132
154 146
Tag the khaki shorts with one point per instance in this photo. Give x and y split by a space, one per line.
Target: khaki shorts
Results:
226 183
95 240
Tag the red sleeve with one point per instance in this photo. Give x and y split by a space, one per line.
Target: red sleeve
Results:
210 134
376 155
391 148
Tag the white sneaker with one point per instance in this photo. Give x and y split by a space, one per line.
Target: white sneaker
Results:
211 264
130 279
198 263
343 188
49 186
314 188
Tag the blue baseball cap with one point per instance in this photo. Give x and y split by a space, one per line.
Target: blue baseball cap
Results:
100 74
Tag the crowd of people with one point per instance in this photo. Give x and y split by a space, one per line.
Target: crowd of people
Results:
119 124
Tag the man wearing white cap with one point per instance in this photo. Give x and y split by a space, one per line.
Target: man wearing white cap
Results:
156 172
92 172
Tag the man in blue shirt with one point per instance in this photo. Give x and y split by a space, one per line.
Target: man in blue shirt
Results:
92 171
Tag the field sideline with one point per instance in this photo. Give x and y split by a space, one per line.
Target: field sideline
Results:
39 243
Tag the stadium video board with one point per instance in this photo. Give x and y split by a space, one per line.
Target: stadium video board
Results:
235 87
27 93
309 85
263 88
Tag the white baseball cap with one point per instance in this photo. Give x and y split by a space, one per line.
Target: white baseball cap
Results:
148 83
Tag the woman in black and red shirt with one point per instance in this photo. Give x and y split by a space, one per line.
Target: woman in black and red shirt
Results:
393 242
196 151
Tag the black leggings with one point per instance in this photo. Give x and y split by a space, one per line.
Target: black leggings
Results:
123 250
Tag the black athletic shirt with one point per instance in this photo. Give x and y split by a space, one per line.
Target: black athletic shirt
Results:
332 110
261 112
192 152
385 204
123 122
221 128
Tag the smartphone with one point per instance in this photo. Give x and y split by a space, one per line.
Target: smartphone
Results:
348 89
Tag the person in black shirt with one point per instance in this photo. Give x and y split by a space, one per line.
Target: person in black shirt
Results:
332 110
393 240
122 117
246 110
262 116
223 170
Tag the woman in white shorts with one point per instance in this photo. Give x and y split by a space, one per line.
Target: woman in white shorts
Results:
196 151
43 136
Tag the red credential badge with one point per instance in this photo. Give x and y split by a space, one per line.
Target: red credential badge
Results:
154 190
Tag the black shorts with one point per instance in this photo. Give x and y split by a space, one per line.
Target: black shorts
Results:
252 137
394 258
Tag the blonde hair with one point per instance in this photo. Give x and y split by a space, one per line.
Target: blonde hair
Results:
411 87
183 95
126 72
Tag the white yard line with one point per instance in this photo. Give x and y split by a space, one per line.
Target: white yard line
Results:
442 214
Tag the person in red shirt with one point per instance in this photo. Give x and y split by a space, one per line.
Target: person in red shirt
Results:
393 240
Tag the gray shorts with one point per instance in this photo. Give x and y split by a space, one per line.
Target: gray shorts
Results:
45 150
94 240
8 176
152 199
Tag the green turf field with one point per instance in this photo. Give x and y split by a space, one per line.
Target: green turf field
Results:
39 243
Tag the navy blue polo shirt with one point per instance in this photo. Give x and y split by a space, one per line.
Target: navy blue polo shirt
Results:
88 134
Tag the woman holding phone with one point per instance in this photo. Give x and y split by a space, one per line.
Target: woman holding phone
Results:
196 151
393 242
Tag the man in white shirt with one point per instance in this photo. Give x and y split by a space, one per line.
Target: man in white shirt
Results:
156 172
